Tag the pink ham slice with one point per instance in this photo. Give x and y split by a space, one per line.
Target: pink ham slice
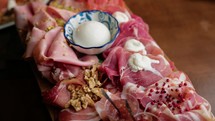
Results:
43 20
70 4
88 114
55 48
56 60
59 13
37 6
106 5
23 15
35 36
42 46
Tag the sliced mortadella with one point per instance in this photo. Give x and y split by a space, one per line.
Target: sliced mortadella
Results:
23 16
43 46
43 21
37 6
59 51
35 36
54 53
59 13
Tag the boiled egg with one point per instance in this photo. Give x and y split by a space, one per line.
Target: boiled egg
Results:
91 34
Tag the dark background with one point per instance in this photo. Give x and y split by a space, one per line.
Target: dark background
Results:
20 95
184 29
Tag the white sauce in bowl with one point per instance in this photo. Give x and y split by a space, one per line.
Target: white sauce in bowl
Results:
91 34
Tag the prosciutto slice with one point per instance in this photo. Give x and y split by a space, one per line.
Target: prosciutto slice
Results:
88 114
170 98
117 68
59 94
135 28
124 110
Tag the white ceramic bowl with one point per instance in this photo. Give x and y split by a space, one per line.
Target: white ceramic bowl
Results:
93 15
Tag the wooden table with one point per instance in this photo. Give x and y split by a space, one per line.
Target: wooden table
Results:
184 29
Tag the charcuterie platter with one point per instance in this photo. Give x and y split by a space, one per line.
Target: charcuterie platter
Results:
97 61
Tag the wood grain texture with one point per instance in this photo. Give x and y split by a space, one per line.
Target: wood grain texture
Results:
185 30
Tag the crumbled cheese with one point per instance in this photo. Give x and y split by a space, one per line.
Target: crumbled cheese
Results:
86 95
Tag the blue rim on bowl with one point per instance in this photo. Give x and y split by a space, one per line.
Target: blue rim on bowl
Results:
68 27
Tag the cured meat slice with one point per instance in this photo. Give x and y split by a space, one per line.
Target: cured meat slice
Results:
106 5
59 94
23 15
43 21
171 98
54 54
60 13
36 36
88 114
135 28
37 6
125 108
73 5
116 67
55 48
